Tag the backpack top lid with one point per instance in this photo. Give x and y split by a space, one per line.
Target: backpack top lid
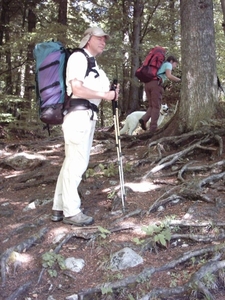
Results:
42 50
152 63
156 53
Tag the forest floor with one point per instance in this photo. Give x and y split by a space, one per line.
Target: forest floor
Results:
181 205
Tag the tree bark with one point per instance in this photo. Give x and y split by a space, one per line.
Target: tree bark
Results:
29 65
199 79
199 91
136 35
62 17
223 10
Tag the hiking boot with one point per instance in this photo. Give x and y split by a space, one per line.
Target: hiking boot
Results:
57 215
78 220
143 124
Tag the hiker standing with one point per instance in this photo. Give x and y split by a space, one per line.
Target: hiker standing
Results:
154 91
79 125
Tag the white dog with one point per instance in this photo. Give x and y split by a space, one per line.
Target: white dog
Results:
132 120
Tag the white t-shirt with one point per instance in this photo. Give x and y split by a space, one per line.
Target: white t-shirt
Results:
76 69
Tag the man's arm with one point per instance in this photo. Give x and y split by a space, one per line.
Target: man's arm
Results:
172 77
83 92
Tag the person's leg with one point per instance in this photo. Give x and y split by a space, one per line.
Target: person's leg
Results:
78 134
57 208
156 100
149 88
148 91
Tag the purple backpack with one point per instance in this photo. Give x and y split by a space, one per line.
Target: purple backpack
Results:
51 59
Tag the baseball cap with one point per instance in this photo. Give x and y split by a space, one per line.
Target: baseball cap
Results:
96 31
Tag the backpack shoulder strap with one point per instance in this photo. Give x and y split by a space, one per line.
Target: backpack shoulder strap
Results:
90 61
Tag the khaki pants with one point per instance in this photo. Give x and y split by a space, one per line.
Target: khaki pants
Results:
154 93
78 132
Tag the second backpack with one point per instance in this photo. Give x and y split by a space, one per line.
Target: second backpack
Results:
152 63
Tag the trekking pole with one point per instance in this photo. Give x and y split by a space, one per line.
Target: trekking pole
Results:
118 144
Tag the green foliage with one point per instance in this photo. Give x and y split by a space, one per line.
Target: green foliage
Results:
111 194
50 260
89 173
176 278
210 281
107 170
161 234
103 232
9 108
111 170
128 168
137 241
193 260
106 290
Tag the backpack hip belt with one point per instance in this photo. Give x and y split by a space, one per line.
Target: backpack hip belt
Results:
82 104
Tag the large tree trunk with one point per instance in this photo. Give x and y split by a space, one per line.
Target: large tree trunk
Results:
199 89
199 80
223 10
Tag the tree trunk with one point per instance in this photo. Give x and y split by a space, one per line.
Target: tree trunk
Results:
173 20
62 17
199 92
223 10
29 66
199 80
6 30
125 88
136 34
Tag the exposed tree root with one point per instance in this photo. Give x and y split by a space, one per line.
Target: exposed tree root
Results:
131 214
179 139
184 189
87 233
192 190
193 283
19 291
186 193
202 139
183 223
157 203
213 133
19 248
171 159
84 234
211 179
200 168
199 238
